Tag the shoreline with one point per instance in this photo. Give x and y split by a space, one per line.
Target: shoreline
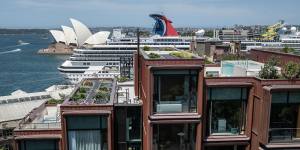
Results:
57 49
47 51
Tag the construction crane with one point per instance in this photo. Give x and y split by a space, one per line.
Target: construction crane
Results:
272 30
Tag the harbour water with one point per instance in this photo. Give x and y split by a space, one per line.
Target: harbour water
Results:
22 68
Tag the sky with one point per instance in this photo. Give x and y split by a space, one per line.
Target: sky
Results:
110 13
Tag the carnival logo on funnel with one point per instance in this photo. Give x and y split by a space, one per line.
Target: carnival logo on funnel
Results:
163 26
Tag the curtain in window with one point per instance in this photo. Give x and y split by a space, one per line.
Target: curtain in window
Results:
85 140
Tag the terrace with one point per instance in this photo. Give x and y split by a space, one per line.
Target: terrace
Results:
167 53
236 68
44 117
125 93
93 91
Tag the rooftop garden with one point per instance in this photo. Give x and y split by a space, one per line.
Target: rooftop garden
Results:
286 49
154 56
289 71
122 79
182 54
81 93
93 92
103 93
146 48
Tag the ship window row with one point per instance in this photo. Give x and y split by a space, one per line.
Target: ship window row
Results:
91 75
69 67
291 45
104 52
101 55
95 59
87 63
114 48
291 41
111 63
177 43
71 71
168 40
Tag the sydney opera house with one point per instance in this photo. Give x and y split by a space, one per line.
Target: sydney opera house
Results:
79 35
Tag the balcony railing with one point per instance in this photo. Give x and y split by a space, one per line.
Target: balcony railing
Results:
175 107
279 135
52 125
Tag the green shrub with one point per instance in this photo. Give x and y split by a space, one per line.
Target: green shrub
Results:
290 70
102 95
82 90
122 79
153 55
54 101
269 70
286 49
103 89
78 96
146 48
182 54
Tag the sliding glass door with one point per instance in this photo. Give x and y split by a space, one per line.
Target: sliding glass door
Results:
87 132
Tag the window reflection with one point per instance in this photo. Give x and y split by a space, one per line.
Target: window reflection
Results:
227 110
174 136
284 117
175 91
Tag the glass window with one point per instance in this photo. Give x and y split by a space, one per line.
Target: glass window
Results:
174 136
87 132
133 124
38 145
175 91
227 110
284 117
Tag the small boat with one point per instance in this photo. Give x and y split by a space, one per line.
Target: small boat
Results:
20 42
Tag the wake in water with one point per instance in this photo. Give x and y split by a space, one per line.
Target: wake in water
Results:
20 44
10 51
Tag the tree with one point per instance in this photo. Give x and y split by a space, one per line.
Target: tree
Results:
290 70
269 71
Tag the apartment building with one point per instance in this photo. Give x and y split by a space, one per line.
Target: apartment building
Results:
172 105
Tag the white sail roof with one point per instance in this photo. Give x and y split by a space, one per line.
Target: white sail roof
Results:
70 35
98 38
81 30
58 36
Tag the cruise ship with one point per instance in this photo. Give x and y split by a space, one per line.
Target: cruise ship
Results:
291 41
105 57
